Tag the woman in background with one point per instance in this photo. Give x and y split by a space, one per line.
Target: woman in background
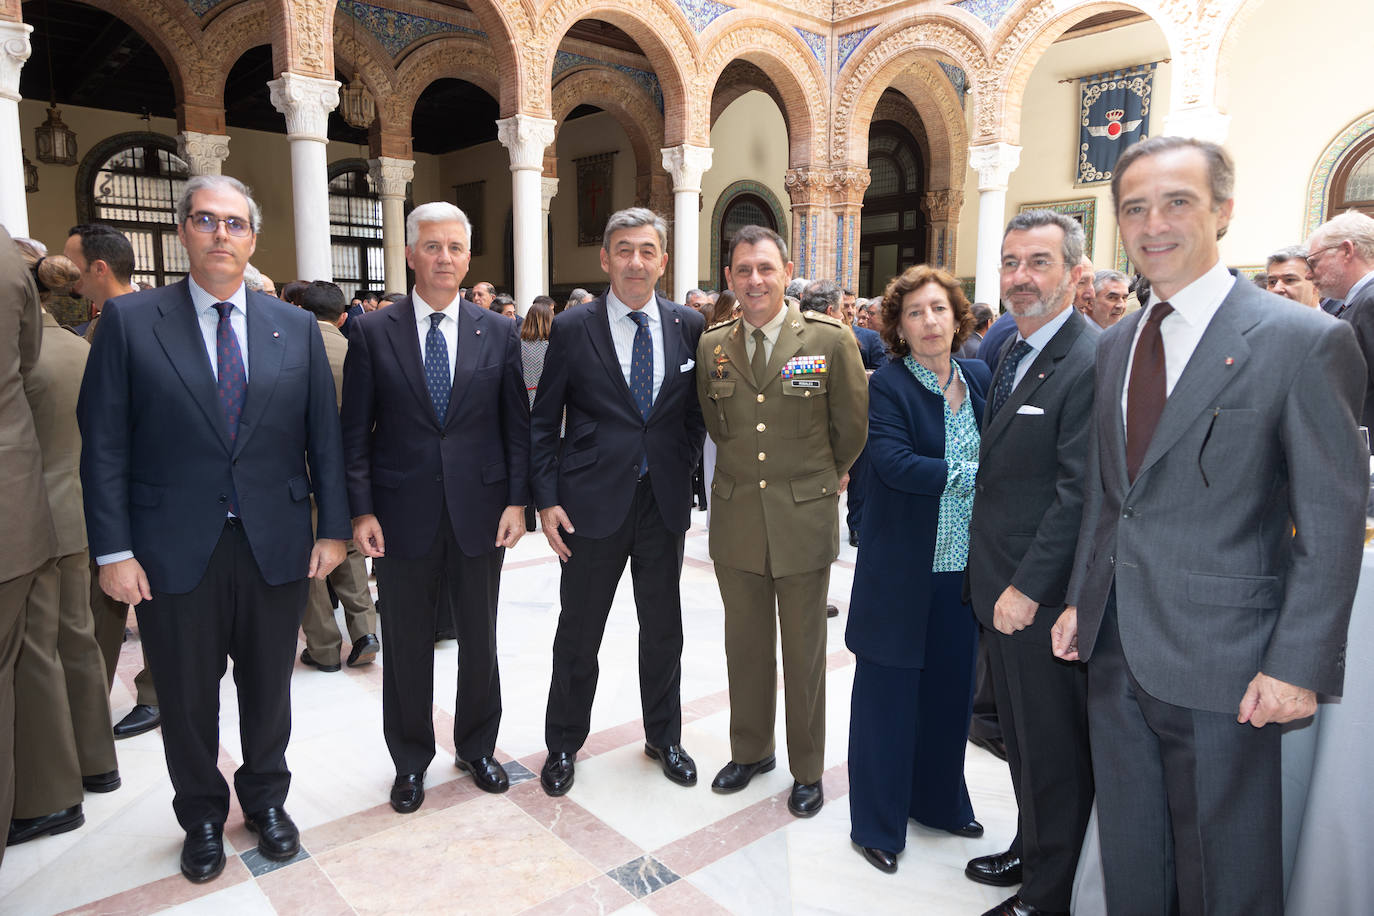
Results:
534 344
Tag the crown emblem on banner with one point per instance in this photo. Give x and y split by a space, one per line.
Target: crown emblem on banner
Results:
1114 127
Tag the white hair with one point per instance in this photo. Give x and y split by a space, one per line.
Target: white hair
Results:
1351 226
252 278
437 211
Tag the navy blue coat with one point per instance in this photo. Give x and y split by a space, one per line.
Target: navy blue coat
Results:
156 464
906 475
592 472
990 350
871 347
404 465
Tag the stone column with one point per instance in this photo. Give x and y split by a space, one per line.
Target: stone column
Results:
994 163
846 200
548 189
526 137
808 189
306 101
204 153
686 164
942 211
14 50
390 176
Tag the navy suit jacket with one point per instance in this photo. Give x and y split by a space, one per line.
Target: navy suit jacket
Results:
406 466
871 347
157 468
906 475
592 472
990 350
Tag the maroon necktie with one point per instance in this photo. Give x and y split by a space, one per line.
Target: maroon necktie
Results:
1148 390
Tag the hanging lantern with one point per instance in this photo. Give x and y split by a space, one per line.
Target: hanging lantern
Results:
55 141
356 105
30 175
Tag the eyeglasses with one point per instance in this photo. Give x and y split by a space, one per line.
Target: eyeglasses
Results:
208 222
1038 264
1316 256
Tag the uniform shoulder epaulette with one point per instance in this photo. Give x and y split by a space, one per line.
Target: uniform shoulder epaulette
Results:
822 316
721 324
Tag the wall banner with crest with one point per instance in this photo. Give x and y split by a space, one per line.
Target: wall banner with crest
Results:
1113 113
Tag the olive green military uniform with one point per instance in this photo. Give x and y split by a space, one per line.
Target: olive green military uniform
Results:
783 443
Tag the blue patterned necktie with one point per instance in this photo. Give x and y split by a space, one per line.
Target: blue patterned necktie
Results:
437 379
642 373
233 381
1006 376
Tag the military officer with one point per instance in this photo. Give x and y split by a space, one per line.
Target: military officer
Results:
785 399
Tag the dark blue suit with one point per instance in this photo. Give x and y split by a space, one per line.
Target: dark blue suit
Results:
898 609
593 474
871 347
159 472
438 489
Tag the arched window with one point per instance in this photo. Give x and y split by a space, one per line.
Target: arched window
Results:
743 203
355 228
892 225
1352 181
132 181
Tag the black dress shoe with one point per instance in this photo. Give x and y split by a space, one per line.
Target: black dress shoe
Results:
278 838
1000 870
805 800
202 855
973 830
364 651
557 774
408 792
23 829
309 659
880 859
489 775
994 746
677 764
102 782
1015 906
735 776
832 611
141 718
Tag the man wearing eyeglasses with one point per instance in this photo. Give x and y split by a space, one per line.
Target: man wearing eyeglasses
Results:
202 406
1341 256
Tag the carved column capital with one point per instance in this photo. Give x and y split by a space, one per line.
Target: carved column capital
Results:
994 163
687 163
14 51
390 176
847 185
807 186
204 153
944 204
306 101
548 189
526 137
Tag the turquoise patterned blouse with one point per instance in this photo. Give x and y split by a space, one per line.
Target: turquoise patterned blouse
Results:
961 454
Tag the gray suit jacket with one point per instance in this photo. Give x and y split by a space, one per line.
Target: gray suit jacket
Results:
1258 438
1360 314
1028 501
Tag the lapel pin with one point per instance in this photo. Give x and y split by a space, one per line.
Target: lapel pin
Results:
717 350
479 332
795 324
677 321
1230 361
1041 375
276 333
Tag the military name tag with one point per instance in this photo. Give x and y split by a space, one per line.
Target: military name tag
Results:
805 382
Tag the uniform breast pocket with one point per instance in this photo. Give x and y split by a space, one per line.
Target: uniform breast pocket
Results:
720 391
806 413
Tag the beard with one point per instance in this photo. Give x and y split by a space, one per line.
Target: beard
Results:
1044 305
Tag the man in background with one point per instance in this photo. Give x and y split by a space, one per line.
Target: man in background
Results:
1341 256
1287 275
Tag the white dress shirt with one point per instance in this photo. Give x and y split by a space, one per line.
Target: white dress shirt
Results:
771 330
448 327
1038 341
623 329
1194 306
208 317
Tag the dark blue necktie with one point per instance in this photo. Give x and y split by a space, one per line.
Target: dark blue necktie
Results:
437 379
642 372
1006 376
233 381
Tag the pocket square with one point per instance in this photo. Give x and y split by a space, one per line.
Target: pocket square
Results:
1030 410
688 366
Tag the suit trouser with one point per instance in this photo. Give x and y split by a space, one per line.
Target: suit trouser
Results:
908 728
111 617
586 590
757 608
232 613
984 723
1188 801
14 594
322 635
1042 705
62 721
410 588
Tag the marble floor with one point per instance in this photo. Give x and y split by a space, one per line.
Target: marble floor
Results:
624 839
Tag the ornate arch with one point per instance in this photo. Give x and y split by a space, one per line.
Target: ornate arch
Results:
727 197
776 51
365 55
661 31
303 36
623 99
237 30
456 57
1319 185
174 34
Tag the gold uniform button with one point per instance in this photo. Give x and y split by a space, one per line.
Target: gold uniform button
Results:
825 490
761 427
763 484
760 399
762 456
806 394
